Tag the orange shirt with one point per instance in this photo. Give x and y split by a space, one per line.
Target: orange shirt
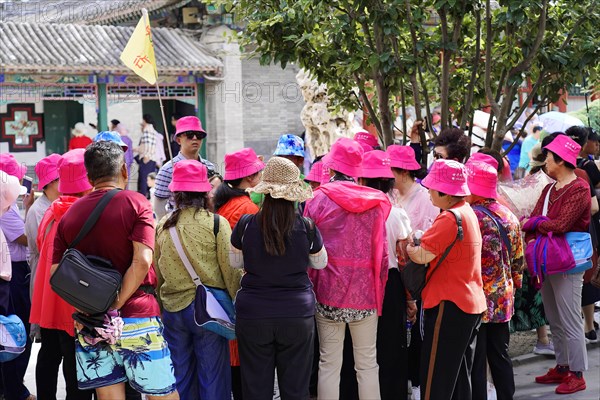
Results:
458 277
236 207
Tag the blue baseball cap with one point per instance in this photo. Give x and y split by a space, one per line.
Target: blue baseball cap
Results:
289 145
111 136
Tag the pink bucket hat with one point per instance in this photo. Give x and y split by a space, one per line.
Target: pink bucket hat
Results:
242 163
190 176
403 157
346 156
376 164
47 169
11 166
449 177
72 176
187 124
316 173
367 141
485 158
564 147
482 178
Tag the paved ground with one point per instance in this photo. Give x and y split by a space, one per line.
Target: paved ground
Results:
527 370
526 367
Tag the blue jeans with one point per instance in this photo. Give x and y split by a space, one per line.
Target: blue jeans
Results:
200 357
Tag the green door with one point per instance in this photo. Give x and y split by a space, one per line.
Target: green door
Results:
59 119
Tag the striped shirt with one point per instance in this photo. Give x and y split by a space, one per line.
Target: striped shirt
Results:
165 174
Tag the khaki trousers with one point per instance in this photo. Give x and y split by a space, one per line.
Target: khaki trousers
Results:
331 346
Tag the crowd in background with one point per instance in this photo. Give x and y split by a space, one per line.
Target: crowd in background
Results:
310 268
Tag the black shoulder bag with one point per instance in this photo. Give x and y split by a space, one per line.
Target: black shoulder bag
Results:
88 283
414 276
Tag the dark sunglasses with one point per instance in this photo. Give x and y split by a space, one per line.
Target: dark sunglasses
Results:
191 134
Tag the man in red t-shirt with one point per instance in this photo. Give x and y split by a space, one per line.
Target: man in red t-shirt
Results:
124 234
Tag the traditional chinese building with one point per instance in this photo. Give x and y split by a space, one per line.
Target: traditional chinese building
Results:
59 65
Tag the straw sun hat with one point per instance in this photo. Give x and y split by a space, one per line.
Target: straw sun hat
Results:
281 180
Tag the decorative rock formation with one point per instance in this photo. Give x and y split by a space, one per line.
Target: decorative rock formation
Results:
322 128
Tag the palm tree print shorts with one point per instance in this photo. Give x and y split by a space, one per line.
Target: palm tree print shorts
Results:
141 357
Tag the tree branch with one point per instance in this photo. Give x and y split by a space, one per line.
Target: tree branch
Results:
526 63
471 89
572 32
488 59
367 102
522 132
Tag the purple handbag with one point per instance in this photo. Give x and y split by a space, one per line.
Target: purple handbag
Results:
548 254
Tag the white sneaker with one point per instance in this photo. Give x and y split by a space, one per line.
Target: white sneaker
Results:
544 349
416 393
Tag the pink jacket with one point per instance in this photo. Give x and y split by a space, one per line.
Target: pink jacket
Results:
351 219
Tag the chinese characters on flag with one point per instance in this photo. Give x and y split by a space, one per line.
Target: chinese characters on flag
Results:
138 55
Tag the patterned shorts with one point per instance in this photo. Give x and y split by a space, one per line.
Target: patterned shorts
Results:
141 357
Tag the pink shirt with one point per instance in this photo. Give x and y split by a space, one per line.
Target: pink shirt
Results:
419 208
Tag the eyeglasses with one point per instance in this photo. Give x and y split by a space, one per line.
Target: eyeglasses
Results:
191 134
438 156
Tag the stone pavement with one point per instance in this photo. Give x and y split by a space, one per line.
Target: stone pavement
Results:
526 368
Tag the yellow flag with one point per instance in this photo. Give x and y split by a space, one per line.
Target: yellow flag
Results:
138 55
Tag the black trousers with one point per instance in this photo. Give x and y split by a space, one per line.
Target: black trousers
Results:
57 346
392 352
447 353
145 169
492 345
414 350
282 343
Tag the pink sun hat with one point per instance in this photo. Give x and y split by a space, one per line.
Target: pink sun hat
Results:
565 147
376 164
189 124
449 177
346 156
10 165
403 157
190 176
316 173
47 169
485 158
482 178
241 164
366 140
72 175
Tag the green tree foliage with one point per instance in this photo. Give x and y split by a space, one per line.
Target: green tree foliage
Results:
461 54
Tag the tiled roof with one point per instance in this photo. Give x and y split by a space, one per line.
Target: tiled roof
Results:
91 48
83 12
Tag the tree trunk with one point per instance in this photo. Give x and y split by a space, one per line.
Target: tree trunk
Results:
385 113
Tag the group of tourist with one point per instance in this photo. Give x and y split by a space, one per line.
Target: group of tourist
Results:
309 268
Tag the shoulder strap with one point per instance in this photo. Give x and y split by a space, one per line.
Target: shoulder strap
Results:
459 236
310 230
94 216
501 230
183 256
547 200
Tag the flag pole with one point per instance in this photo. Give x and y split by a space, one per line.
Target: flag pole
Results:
162 108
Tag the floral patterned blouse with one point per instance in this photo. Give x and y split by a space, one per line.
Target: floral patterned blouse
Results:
500 275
